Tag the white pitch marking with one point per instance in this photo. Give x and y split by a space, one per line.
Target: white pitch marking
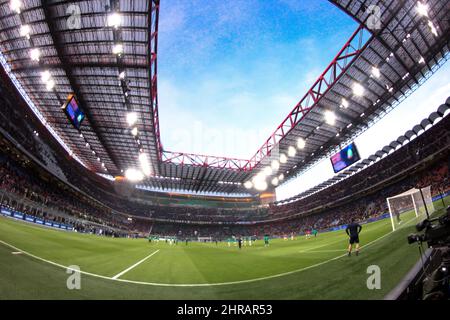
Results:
16 252
314 251
134 265
199 284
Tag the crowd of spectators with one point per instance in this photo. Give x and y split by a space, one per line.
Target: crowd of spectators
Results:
365 208
24 189
403 161
90 203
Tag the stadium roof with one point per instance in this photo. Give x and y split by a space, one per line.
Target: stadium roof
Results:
410 135
107 57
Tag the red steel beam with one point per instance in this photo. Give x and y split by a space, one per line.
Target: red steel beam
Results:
197 160
343 60
346 56
153 46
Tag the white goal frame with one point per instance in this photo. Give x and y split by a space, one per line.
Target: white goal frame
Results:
423 195
203 239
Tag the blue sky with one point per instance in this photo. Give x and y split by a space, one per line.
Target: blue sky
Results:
230 71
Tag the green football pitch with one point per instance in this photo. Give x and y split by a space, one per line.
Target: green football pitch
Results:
34 261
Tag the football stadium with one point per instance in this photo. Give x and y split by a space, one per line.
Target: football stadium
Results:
294 150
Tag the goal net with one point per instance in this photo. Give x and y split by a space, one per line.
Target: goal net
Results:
204 239
405 206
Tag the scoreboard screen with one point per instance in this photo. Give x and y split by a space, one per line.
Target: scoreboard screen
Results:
345 158
73 111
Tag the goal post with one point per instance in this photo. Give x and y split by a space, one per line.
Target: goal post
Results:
407 204
204 239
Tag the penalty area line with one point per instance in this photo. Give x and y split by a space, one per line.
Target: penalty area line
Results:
134 265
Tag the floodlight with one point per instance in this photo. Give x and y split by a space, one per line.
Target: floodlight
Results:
132 118
261 185
50 85
268 171
117 49
301 143
292 152
330 117
114 20
422 9
35 54
275 181
15 5
25 31
275 165
45 76
432 28
358 90
134 175
376 72
145 164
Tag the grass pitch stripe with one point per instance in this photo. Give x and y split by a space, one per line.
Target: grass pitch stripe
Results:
134 265
203 284
194 284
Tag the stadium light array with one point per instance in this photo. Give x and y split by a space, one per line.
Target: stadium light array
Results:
248 185
281 177
376 72
114 20
132 118
275 181
275 165
35 54
344 103
330 117
432 28
117 49
259 176
134 131
261 185
358 90
292 152
268 171
45 76
145 164
25 31
283 158
301 143
16 6
422 9
134 175
50 85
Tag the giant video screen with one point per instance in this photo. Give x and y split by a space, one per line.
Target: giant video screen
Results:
345 158
74 112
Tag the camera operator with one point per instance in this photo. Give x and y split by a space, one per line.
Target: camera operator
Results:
436 233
